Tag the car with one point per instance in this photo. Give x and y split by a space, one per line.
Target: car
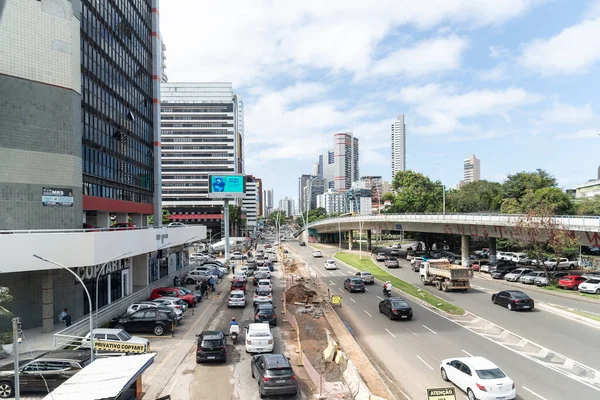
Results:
117 336
259 276
275 244
123 226
240 276
513 300
265 312
317 254
194 276
591 285
570 282
302 244
394 253
173 292
262 296
193 293
172 303
415 259
354 285
478 377
391 262
175 224
380 257
140 305
484 266
45 372
274 375
410 254
265 284
366 277
238 284
330 264
543 281
236 255
396 308
259 338
395 246
211 346
237 298
530 278
265 271
515 274
591 275
156 320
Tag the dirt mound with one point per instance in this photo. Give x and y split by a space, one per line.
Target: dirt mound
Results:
300 294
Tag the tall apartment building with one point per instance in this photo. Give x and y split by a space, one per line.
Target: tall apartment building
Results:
286 204
79 147
252 203
398 145
326 168
267 202
471 169
202 134
309 186
163 65
346 160
375 184
332 202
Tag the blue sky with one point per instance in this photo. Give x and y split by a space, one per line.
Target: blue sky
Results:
514 82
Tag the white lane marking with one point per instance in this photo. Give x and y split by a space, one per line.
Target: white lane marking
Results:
368 313
332 282
363 296
423 361
386 329
321 272
332 273
366 289
534 393
404 394
467 353
412 332
352 300
341 290
380 298
430 330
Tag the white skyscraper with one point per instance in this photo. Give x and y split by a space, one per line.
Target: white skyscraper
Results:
471 169
398 145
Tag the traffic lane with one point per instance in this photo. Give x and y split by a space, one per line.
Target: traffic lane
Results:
543 327
428 338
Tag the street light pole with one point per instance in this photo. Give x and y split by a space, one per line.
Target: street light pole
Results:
88 296
98 278
443 191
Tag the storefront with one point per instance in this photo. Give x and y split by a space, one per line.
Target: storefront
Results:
164 262
113 283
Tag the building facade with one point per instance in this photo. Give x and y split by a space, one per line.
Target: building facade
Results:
589 189
398 145
346 160
287 205
201 134
267 202
332 202
375 183
252 203
471 169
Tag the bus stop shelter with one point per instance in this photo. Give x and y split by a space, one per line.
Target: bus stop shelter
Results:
111 378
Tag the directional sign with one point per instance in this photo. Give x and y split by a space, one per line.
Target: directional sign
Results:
441 394
398 227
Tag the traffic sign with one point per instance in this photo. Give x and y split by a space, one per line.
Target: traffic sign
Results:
441 394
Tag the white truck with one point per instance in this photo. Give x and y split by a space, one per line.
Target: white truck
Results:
444 275
561 263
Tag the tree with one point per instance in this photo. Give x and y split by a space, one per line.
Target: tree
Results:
415 192
588 206
5 297
166 217
554 199
313 215
277 215
516 185
475 197
235 217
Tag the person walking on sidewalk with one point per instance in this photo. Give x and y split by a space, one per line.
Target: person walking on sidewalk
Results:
233 269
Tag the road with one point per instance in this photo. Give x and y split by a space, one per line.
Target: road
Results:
410 351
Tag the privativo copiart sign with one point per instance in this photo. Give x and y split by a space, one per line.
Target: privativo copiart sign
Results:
120 347
441 394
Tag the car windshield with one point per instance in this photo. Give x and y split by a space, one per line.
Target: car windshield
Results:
355 280
262 292
280 371
124 336
211 343
399 304
392 259
236 296
594 281
494 373
519 295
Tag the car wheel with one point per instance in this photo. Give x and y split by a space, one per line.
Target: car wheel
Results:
119 327
444 375
509 306
159 330
189 281
198 361
494 299
597 291
389 315
6 390
471 395
575 287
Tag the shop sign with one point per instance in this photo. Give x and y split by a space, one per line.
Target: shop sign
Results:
91 272
120 347
441 394
60 197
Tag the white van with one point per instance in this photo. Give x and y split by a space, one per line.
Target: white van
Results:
259 338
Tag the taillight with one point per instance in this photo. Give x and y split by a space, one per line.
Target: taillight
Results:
294 377
257 316
269 296
266 379
481 387
224 348
270 341
177 306
256 296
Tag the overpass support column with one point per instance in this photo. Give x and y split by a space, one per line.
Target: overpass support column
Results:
464 249
350 240
368 240
492 245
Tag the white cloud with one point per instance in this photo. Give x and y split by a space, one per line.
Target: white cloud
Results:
581 134
497 73
416 94
593 11
565 113
573 50
497 52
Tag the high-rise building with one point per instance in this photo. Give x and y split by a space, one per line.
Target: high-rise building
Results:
332 202
375 183
398 145
326 169
346 160
252 203
267 202
287 205
472 169
163 70
202 134
80 148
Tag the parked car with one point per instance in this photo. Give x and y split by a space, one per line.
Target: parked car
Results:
238 284
173 292
175 224
156 320
591 275
237 298
530 278
570 282
543 281
561 263
330 264
117 336
173 303
395 308
51 369
366 277
193 293
354 285
140 305
317 254
262 296
478 377
513 300
484 266
123 226
590 286
515 274
520 258
211 346
274 375
236 255
259 338
265 312
391 262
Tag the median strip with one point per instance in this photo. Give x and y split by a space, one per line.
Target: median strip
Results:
367 265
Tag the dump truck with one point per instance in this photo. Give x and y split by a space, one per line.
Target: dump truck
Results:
444 275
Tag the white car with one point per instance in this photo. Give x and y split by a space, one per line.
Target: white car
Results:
117 335
275 244
262 296
174 303
264 270
272 257
330 264
592 285
265 284
236 255
240 276
317 254
414 260
259 338
484 268
237 298
153 304
479 378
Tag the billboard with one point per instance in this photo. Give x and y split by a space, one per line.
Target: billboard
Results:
227 186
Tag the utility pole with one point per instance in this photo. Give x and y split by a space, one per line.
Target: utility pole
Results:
16 340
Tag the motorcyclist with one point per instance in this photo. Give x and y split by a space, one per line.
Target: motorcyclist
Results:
387 287
234 327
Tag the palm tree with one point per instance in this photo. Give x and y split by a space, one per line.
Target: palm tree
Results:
235 217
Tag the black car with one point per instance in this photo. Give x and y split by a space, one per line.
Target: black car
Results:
51 369
497 271
156 320
274 374
395 308
513 300
354 285
211 346
265 312
391 262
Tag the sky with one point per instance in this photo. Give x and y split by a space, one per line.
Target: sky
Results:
514 82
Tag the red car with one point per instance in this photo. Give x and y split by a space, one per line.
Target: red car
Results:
123 226
570 282
189 298
238 284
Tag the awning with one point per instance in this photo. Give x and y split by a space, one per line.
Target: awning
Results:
105 378
179 217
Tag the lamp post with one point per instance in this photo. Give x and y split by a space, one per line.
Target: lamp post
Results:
86 292
360 227
443 191
98 278
340 232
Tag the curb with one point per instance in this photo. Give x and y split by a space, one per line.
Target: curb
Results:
569 315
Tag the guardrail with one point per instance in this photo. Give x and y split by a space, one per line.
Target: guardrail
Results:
108 229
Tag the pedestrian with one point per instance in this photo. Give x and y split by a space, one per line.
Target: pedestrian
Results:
203 290
211 281
65 316
233 268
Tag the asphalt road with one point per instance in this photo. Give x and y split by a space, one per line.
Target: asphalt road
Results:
410 351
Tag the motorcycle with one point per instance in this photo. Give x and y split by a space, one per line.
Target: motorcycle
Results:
387 293
234 331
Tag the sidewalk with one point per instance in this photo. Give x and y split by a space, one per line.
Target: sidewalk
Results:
34 341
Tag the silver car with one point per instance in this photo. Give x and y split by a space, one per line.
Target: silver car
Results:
237 298
530 278
152 304
514 275
172 302
366 277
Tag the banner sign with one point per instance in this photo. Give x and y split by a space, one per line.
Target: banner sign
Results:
120 347
227 186
61 197
441 394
